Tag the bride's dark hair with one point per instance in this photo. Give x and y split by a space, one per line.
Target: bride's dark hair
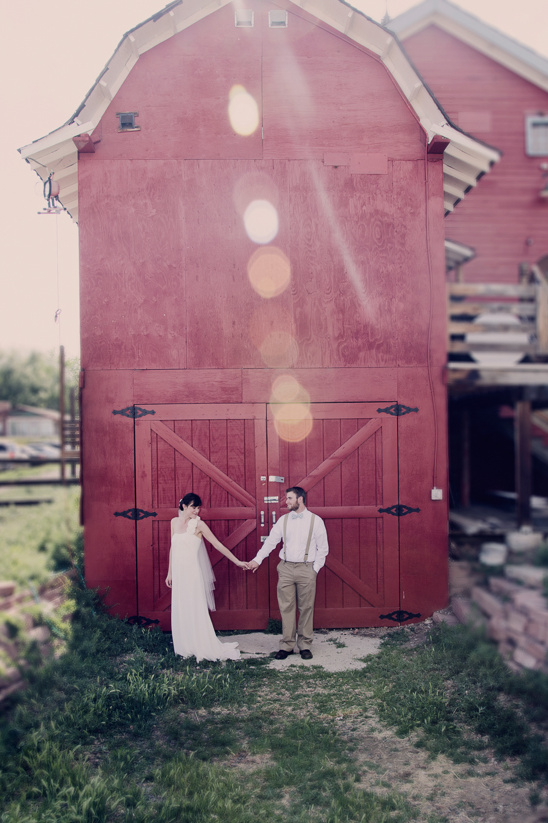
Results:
190 499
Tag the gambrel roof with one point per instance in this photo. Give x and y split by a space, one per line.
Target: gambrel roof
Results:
465 158
475 33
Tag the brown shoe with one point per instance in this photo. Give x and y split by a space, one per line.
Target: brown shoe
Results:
306 654
281 654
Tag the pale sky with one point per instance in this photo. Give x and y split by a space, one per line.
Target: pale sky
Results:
51 52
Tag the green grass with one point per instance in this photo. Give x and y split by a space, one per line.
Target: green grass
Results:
118 728
35 540
456 693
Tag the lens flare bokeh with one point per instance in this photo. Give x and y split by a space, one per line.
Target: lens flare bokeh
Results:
269 271
261 221
243 111
290 407
293 422
285 389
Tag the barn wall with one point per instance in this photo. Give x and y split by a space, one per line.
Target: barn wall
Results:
176 298
503 219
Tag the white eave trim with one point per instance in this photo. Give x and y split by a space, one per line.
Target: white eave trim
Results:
465 159
475 33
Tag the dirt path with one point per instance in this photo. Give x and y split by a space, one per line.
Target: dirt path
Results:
487 792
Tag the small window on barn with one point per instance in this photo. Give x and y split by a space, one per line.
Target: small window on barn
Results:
243 19
277 19
127 120
536 135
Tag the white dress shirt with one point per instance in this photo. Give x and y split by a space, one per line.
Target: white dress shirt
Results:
297 537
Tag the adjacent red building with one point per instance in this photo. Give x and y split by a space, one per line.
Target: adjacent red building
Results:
496 89
260 194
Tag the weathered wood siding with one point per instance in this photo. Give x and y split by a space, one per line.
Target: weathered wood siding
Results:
503 219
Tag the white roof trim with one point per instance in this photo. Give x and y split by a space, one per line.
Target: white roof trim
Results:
475 33
456 254
465 159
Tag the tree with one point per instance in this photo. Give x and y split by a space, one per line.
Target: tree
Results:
33 379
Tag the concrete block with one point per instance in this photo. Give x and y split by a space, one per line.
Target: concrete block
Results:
462 607
503 587
529 600
445 617
488 603
497 629
528 575
538 630
7 588
528 661
461 577
532 647
516 620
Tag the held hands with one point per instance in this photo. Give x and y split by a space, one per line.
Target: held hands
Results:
243 564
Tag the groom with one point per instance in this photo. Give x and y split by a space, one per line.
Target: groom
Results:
302 556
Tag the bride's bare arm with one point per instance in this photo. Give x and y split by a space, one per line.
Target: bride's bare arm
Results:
206 532
168 578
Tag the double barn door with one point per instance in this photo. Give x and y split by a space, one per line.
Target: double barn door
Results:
232 456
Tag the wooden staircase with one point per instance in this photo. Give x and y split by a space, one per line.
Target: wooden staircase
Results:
492 326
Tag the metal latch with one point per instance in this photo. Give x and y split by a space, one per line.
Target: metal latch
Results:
263 538
274 478
271 500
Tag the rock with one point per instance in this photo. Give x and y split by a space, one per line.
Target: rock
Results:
7 588
528 575
488 603
445 616
462 608
40 633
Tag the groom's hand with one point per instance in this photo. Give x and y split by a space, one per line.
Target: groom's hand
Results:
253 566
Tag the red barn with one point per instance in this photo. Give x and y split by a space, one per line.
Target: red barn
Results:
260 194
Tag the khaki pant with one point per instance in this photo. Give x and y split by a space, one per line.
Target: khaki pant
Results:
296 589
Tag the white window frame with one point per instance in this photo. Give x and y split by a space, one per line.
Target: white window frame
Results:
536 145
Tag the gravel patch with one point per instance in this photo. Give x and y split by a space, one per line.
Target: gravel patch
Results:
335 651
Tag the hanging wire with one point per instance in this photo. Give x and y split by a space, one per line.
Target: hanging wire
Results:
58 310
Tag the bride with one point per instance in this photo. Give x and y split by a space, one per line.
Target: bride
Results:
192 581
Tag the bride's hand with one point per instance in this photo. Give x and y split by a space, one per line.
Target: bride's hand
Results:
168 582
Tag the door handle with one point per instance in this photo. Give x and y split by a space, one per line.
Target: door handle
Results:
262 518
273 517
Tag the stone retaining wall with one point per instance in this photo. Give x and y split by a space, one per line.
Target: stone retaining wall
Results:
515 612
24 625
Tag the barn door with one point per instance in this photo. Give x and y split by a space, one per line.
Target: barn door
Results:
348 465
240 459
216 452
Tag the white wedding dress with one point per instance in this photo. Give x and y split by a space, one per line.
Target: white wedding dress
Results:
192 590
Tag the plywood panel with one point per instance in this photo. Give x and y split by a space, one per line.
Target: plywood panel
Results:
422 440
108 487
321 94
182 93
132 284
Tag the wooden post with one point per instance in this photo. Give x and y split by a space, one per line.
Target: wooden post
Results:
62 408
465 462
72 400
522 422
